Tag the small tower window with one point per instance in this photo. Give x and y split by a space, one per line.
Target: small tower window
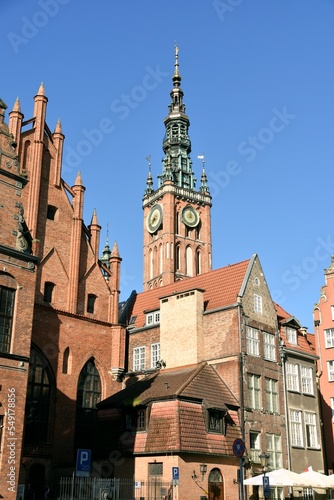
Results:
91 303
48 291
51 212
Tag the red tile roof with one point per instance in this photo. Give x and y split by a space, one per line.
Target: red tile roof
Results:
305 341
179 398
221 288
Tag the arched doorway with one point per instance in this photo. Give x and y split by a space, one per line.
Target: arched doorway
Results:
216 485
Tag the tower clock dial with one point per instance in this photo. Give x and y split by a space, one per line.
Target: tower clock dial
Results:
154 219
190 217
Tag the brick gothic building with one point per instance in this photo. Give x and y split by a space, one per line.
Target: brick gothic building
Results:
59 306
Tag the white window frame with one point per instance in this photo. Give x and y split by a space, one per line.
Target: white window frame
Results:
292 377
329 337
254 391
257 303
291 335
274 448
153 318
296 431
139 358
155 354
255 450
252 341
330 368
269 346
271 386
311 434
306 376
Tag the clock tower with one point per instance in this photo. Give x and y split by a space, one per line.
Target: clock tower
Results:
177 219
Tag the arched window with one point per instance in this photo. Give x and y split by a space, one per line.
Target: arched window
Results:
198 261
88 395
38 403
177 258
7 296
189 261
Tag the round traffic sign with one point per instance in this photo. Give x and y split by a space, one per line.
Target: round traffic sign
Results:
238 447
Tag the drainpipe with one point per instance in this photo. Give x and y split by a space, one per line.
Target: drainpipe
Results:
242 405
282 355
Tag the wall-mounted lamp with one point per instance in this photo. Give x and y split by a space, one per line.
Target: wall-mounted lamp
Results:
203 468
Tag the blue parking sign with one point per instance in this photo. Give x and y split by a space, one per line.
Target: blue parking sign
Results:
83 463
266 486
175 473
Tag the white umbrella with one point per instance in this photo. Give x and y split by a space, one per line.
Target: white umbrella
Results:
319 480
279 477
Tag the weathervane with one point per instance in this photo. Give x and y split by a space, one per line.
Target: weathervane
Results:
201 157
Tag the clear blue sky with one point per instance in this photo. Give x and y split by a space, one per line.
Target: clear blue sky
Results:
258 81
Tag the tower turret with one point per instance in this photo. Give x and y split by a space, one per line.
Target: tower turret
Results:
177 221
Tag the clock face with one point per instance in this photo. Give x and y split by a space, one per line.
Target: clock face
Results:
154 219
190 217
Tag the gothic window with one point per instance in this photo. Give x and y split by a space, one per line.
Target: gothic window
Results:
198 262
48 291
88 395
189 261
7 296
39 392
91 299
177 258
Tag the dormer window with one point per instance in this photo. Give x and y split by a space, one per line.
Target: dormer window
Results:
291 335
153 318
215 421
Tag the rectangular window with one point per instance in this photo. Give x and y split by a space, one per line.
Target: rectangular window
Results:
311 430
330 368
153 318
274 448
329 337
307 380
215 423
257 303
291 336
255 446
138 358
252 341
296 428
269 346
155 354
254 391
7 296
141 420
292 377
271 395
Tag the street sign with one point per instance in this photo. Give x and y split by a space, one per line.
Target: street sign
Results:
266 486
175 473
238 448
83 463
